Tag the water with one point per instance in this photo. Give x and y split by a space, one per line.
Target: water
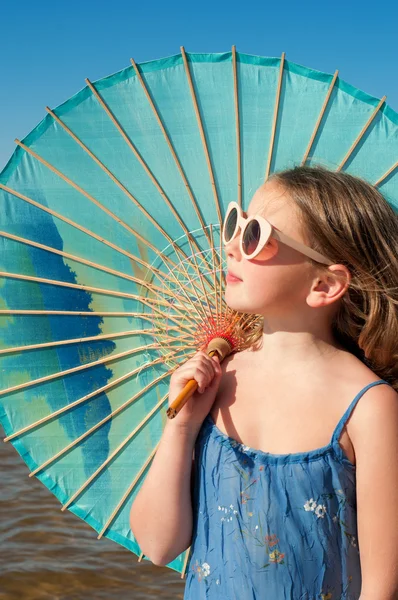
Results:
54 555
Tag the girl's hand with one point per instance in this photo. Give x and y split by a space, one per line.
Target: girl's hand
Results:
207 372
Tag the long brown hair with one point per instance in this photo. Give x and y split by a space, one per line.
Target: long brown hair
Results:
348 220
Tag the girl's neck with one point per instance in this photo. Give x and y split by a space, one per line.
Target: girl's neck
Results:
293 348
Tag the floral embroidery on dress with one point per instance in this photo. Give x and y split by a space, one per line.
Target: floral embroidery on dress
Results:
202 570
227 511
276 556
343 501
271 539
318 509
267 541
245 497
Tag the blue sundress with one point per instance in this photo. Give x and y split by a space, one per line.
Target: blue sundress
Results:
273 526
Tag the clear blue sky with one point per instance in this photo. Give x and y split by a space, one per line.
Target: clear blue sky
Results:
48 48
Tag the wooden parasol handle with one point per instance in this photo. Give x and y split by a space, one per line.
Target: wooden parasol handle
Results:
217 345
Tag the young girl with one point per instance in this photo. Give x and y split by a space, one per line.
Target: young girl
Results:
294 487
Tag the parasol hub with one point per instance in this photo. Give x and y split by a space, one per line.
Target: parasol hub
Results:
223 345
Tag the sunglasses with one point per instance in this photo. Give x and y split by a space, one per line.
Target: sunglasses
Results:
256 232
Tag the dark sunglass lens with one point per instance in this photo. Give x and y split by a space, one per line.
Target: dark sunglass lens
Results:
230 224
251 237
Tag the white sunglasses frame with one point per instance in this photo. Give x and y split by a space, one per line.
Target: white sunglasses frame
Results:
266 231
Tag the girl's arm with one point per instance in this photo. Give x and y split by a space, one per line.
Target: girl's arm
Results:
375 440
161 514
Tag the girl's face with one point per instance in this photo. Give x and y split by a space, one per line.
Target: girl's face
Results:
278 279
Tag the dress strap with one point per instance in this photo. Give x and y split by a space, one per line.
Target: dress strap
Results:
345 417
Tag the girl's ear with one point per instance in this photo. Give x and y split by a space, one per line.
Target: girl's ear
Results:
332 288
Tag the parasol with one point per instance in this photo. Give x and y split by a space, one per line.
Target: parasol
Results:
112 270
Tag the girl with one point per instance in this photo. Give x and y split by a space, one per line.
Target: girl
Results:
294 484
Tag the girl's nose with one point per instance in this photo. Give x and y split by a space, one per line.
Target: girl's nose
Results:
233 247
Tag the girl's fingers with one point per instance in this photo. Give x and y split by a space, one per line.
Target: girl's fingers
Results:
200 373
198 363
200 367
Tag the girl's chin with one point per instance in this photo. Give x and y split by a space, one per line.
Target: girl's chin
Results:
237 304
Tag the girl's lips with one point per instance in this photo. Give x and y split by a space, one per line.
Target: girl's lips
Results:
231 278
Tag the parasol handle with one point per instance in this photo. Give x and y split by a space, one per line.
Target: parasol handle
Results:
218 345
